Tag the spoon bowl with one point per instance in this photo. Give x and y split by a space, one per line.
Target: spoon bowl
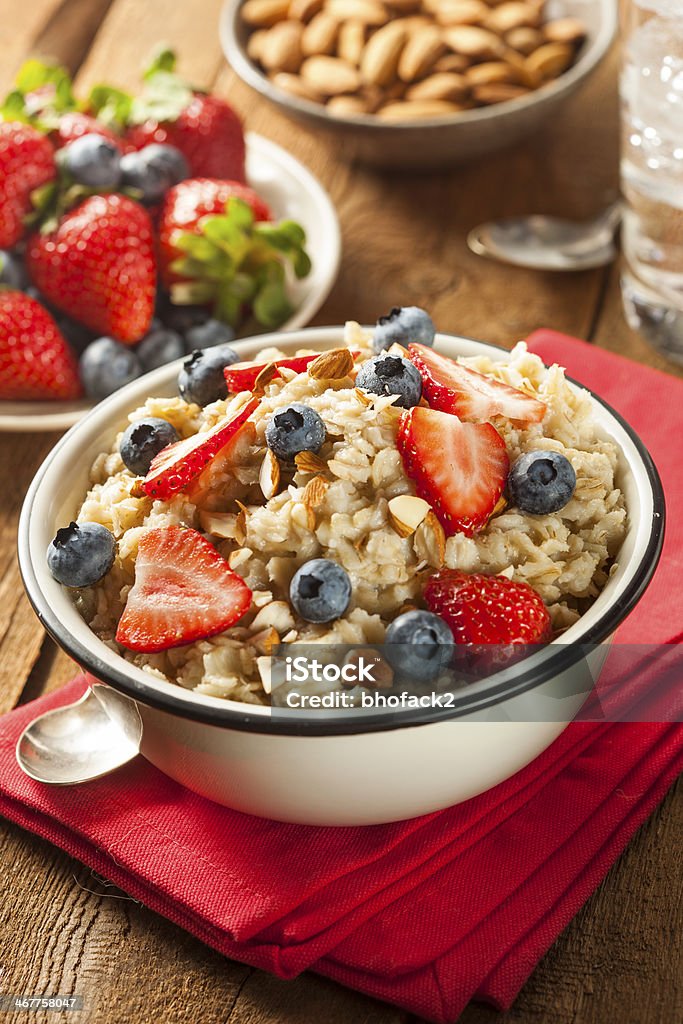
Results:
82 741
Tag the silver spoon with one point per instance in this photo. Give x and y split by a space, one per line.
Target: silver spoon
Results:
549 243
82 741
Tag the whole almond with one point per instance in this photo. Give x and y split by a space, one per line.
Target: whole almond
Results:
550 60
473 41
446 85
348 106
295 86
513 15
320 35
491 71
370 12
281 49
255 43
304 10
417 110
497 92
351 41
330 76
263 13
381 55
333 365
565 30
452 62
421 52
403 6
461 12
525 40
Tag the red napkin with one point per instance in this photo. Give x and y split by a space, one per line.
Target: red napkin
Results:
428 913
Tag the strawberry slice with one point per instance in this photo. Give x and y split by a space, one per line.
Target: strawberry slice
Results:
459 468
176 466
453 388
184 590
242 376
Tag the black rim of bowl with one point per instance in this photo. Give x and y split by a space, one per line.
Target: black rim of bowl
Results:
537 669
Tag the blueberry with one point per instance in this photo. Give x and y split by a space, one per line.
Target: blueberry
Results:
107 365
293 429
94 161
541 482
206 335
12 273
201 379
78 336
158 347
182 318
143 440
168 158
81 554
320 590
391 375
149 181
401 326
425 644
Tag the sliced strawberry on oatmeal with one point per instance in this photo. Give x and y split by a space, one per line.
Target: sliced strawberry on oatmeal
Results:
243 376
451 387
184 590
176 466
459 468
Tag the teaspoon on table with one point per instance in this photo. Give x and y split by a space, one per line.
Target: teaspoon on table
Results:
549 243
82 741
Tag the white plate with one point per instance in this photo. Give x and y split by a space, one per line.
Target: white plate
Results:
291 191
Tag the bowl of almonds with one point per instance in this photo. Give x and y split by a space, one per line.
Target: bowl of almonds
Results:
417 83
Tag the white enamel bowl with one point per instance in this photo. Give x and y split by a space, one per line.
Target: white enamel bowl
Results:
334 768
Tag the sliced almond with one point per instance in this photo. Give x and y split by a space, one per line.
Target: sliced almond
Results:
550 60
259 598
238 558
524 40
269 475
241 524
513 15
333 365
349 106
444 86
420 53
491 71
406 512
309 462
430 541
497 92
501 505
315 491
351 41
281 49
264 378
461 12
277 615
417 110
137 489
303 516
381 55
219 524
263 13
565 30
265 640
363 397
320 35
472 41
330 76
370 12
295 86
304 10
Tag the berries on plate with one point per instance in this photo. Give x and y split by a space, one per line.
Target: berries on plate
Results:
420 644
457 389
92 160
488 609
459 468
541 482
175 467
99 266
243 376
159 346
391 375
81 554
184 591
320 590
106 365
401 326
295 428
26 163
152 171
35 360
202 379
143 440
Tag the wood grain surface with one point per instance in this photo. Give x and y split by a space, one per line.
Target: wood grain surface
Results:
62 929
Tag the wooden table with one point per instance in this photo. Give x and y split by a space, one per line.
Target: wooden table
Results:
61 929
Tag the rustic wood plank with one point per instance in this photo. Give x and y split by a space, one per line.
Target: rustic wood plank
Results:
66 36
17 34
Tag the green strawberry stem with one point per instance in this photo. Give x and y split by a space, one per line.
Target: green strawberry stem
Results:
236 263
42 93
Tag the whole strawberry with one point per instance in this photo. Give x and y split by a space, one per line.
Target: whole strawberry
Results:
488 609
73 124
99 266
35 360
26 163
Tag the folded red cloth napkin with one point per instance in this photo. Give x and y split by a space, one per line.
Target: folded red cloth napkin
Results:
427 913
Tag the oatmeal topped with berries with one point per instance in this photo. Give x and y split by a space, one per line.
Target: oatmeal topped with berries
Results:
378 493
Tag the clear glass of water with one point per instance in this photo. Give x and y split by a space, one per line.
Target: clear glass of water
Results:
652 170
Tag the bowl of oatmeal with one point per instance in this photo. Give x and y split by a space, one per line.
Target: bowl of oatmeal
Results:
344 490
